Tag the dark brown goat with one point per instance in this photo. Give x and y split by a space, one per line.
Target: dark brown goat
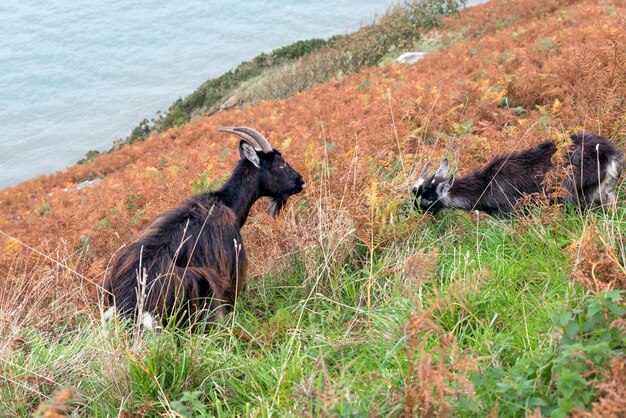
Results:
594 164
190 262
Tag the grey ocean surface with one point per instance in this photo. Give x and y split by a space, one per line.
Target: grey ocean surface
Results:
75 75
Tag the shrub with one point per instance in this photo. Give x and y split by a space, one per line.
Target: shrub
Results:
563 379
297 49
89 155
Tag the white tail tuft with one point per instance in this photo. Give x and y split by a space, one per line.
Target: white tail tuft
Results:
148 321
109 314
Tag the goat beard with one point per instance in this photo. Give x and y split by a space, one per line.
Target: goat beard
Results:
276 205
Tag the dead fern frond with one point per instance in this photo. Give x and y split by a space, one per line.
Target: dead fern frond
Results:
595 264
612 402
58 406
421 266
438 375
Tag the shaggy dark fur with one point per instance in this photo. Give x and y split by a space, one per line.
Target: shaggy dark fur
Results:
595 163
193 255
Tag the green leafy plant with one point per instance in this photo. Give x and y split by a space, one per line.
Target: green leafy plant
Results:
84 248
560 380
548 43
44 209
89 155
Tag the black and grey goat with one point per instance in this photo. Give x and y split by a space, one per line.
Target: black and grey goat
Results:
190 261
594 165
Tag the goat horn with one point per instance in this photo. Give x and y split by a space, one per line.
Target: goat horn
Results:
423 175
442 171
249 139
262 141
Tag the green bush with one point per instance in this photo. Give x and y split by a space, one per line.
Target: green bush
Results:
89 155
297 49
560 380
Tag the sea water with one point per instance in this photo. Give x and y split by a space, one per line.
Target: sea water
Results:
76 75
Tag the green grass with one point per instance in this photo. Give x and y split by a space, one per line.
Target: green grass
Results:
303 341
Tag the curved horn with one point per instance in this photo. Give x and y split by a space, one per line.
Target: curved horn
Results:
421 179
423 175
264 143
442 171
249 139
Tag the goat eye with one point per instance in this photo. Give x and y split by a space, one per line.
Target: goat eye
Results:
281 166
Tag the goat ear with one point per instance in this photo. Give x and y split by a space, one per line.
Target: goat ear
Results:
442 171
248 152
446 185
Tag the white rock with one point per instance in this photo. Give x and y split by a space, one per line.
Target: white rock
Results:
231 102
83 185
411 57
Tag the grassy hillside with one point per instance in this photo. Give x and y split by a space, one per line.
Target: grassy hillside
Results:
356 305
300 65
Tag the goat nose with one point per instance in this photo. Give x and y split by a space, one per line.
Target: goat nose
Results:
303 184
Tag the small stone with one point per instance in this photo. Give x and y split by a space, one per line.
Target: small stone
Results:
411 57
85 184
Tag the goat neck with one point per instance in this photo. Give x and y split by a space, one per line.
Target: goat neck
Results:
241 190
465 193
